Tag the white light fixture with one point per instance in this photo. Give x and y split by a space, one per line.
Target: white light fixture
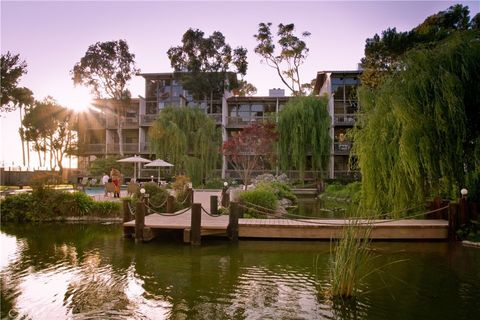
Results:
225 184
464 192
142 191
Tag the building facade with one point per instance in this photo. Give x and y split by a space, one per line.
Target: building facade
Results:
341 88
99 128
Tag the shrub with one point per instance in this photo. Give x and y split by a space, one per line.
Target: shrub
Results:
261 197
106 208
214 184
17 208
157 195
42 180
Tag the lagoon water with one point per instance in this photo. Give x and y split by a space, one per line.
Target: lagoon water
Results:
89 271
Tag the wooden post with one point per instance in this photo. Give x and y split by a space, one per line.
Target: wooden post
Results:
196 224
170 204
139 221
214 205
225 197
127 216
190 197
452 221
437 204
462 202
233 221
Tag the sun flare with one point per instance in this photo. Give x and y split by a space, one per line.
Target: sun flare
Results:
77 98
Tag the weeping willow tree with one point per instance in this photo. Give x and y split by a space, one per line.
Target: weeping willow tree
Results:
420 132
304 139
187 138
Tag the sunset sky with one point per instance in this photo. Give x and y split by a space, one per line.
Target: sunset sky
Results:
53 36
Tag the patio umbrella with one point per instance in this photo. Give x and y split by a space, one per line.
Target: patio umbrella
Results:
159 163
135 159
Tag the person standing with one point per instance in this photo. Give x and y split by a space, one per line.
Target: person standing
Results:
105 179
116 175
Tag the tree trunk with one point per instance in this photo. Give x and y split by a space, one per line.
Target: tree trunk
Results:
21 135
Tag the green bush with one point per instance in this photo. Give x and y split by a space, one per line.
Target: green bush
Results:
261 197
106 209
157 195
49 204
213 184
351 191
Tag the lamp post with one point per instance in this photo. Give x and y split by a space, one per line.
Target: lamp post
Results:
464 192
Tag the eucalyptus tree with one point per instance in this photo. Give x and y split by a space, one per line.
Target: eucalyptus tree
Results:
420 133
106 69
12 69
207 63
303 128
187 138
51 129
384 54
288 58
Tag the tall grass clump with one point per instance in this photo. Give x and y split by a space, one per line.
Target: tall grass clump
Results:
350 259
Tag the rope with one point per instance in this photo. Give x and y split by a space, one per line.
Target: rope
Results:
167 214
184 200
210 214
159 206
131 209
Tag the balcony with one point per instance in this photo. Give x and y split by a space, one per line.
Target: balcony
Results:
342 148
127 148
347 119
241 122
127 122
216 116
148 119
95 123
92 148
347 175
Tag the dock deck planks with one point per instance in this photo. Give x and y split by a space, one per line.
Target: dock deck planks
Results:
323 229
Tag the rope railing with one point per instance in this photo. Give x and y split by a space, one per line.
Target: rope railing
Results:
159 206
167 214
186 197
131 208
211 214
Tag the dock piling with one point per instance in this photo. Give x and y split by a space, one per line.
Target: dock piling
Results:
233 221
214 205
170 204
196 224
139 221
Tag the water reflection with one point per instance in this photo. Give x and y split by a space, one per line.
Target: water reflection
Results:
90 271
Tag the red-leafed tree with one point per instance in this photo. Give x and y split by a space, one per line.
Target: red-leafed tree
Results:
251 149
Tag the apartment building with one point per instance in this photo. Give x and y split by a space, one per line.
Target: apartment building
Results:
99 127
341 89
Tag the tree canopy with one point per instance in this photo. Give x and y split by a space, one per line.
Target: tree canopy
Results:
206 62
420 134
291 55
106 69
384 54
303 127
51 129
12 69
187 138
252 148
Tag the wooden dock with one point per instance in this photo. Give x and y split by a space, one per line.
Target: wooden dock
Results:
320 229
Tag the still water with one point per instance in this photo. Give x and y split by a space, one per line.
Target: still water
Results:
58 271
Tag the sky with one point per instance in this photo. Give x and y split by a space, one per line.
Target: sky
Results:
52 36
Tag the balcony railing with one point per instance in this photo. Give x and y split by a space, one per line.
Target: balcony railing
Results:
342 148
148 119
127 122
344 119
95 123
216 116
348 175
92 148
127 147
240 122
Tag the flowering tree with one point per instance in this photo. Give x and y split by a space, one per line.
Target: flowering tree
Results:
251 149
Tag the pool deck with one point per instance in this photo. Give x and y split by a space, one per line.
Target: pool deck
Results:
320 229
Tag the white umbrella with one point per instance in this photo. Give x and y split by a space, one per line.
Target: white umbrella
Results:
135 159
159 163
